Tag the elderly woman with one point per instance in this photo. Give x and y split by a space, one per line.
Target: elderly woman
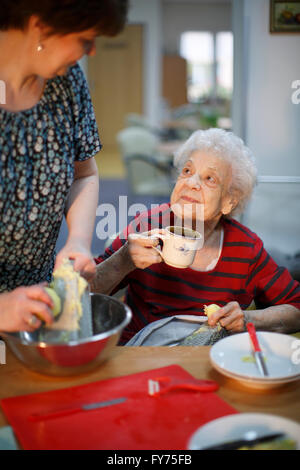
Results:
232 269
48 137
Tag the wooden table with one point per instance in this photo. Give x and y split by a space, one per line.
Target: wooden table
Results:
284 401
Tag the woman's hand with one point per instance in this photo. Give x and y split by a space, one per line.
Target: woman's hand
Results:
141 249
25 308
231 317
83 259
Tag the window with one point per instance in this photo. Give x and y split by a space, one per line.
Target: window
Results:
198 50
210 64
224 59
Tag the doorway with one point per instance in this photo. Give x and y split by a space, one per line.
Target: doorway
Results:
115 77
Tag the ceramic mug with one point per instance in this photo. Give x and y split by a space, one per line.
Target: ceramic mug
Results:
179 245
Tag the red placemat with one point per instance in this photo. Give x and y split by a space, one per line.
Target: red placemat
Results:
164 422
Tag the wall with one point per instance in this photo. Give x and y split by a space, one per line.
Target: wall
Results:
185 15
269 63
274 63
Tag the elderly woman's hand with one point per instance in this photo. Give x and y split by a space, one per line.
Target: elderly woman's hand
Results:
25 308
231 317
141 249
83 259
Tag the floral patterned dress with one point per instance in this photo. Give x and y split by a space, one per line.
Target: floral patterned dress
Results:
38 148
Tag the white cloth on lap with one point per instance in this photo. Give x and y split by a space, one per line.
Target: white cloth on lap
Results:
168 331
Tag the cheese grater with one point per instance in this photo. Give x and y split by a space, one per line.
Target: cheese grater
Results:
75 319
206 335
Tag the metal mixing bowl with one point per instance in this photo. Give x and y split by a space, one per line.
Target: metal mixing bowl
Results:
110 316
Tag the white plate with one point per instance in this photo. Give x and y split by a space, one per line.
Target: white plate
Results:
281 353
235 426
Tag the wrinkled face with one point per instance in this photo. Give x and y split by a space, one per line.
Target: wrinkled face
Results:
204 180
61 52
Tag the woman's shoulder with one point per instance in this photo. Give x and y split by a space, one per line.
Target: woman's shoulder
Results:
75 76
70 84
236 232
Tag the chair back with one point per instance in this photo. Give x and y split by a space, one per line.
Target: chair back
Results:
137 140
145 173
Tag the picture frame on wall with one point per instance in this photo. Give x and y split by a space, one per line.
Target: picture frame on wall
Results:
285 16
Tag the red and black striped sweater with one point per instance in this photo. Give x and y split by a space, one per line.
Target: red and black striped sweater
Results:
245 272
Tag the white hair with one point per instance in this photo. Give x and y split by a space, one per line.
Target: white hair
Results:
230 148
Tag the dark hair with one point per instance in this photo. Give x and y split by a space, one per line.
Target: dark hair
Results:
107 17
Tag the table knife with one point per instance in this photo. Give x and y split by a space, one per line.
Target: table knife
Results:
81 408
257 351
233 445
